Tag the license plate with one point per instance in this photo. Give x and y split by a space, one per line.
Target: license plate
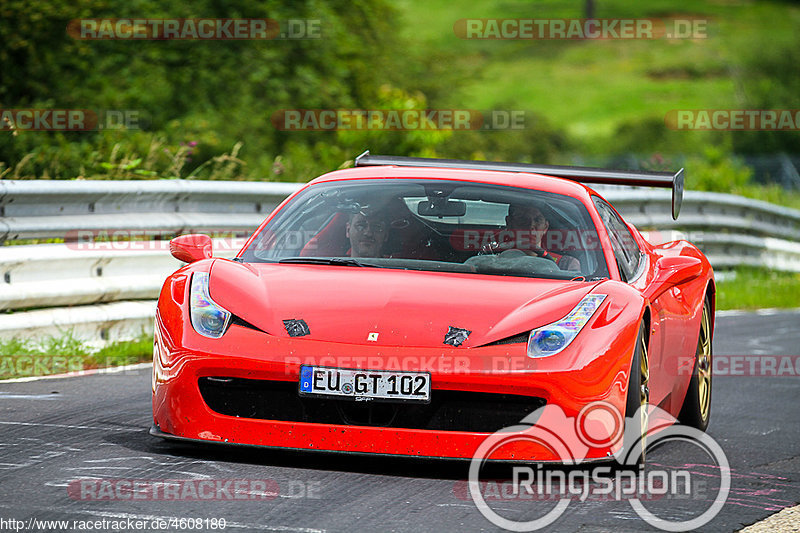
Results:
365 385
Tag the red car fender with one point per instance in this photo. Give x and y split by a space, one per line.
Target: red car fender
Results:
676 313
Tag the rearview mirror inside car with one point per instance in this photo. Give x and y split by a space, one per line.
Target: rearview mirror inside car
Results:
441 207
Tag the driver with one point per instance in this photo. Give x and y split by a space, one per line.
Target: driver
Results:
367 234
529 218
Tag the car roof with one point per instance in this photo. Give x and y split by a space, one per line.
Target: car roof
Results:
524 180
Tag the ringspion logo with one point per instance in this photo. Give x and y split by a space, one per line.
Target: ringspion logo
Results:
570 441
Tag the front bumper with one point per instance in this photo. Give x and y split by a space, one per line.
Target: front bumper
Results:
181 412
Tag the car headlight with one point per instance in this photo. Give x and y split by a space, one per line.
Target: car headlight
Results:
208 318
552 338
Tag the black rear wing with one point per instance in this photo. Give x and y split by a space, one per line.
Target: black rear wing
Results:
667 180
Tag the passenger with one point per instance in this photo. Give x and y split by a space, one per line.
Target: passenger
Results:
367 234
529 218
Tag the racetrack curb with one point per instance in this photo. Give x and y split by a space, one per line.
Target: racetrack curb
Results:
786 520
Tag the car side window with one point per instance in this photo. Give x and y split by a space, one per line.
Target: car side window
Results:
626 250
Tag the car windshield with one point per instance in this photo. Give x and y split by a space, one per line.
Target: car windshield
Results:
434 225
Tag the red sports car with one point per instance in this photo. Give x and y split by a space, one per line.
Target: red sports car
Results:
414 306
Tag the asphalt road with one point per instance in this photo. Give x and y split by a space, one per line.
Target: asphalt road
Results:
54 432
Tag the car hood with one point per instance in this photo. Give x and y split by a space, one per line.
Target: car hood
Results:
403 307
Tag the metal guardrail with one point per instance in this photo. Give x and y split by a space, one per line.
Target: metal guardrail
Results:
731 230
49 209
706 211
105 294
110 291
35 209
50 275
94 324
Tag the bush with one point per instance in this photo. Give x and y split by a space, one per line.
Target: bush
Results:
716 170
538 142
217 94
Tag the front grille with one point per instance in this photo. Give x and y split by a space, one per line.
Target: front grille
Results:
448 411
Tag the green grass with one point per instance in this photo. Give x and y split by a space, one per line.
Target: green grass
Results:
65 353
773 194
590 88
139 350
758 288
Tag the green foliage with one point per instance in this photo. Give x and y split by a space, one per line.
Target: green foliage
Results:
649 135
537 142
39 62
716 170
219 94
414 142
768 79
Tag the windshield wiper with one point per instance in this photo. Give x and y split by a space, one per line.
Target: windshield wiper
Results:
338 261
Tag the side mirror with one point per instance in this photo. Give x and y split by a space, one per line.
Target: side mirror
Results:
191 248
671 271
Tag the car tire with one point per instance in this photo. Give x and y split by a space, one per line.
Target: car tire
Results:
696 410
636 419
